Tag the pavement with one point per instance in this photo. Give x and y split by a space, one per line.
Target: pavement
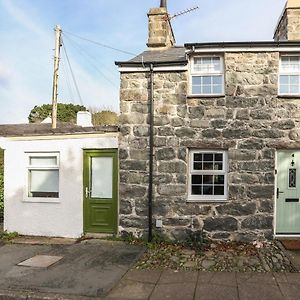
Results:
64 271
185 285
97 269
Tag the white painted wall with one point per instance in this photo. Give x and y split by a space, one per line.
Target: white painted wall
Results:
63 218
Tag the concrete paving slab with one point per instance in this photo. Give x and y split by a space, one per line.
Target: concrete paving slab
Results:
293 278
174 291
38 240
260 278
40 261
224 278
145 276
171 276
205 277
128 289
215 292
290 291
85 269
259 291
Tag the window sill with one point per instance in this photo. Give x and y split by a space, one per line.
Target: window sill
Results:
289 96
205 96
41 200
206 201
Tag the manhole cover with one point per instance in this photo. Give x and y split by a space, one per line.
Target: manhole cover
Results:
40 261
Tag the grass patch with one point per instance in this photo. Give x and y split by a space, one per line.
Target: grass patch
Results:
7 236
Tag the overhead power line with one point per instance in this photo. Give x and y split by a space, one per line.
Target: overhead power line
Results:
72 73
90 58
100 44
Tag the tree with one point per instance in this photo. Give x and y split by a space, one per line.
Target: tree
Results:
105 117
65 112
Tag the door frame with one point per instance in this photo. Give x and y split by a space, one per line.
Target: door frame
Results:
278 235
114 152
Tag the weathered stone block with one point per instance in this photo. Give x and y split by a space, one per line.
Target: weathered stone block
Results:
268 133
237 209
185 132
133 165
215 113
137 154
252 143
241 154
219 123
261 114
196 112
172 167
260 191
284 124
241 102
211 133
266 206
243 114
132 191
239 133
165 131
258 222
220 224
177 122
141 131
242 178
125 207
171 190
165 154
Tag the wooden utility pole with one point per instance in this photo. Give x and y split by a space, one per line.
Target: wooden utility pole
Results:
55 75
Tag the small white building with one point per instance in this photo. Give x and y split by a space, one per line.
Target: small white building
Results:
60 182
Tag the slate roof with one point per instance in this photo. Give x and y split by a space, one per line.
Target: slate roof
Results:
15 130
174 55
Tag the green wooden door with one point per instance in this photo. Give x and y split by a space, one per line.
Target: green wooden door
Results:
100 190
288 192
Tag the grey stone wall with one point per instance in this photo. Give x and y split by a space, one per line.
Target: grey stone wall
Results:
250 122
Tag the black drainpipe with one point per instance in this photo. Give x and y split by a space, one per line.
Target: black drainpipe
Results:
150 188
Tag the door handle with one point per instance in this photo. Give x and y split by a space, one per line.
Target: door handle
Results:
87 192
278 192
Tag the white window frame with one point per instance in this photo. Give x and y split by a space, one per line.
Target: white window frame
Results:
287 73
30 167
224 171
199 73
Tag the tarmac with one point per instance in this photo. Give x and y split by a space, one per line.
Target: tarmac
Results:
98 269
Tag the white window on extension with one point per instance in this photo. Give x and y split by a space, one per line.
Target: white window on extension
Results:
289 75
208 175
43 175
207 75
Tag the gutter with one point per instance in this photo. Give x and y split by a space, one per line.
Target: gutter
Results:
151 154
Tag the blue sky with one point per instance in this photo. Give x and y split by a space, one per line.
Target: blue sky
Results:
27 42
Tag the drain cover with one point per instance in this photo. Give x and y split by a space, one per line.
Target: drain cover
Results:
40 261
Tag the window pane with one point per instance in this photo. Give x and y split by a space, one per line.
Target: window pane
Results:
218 166
43 181
218 157
198 166
219 190
208 157
294 89
196 80
206 89
196 190
219 179
101 177
197 157
284 79
207 190
217 89
294 79
284 89
217 80
196 179
196 89
206 80
43 161
208 166
208 179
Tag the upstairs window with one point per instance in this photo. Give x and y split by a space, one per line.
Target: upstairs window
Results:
208 175
43 175
207 75
289 75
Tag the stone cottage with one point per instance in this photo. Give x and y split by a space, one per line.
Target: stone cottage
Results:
210 135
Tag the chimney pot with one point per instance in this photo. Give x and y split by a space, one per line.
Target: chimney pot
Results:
163 3
84 119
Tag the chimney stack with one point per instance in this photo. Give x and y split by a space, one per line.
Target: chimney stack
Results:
161 34
288 27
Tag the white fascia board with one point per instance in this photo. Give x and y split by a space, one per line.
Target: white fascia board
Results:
155 69
248 49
